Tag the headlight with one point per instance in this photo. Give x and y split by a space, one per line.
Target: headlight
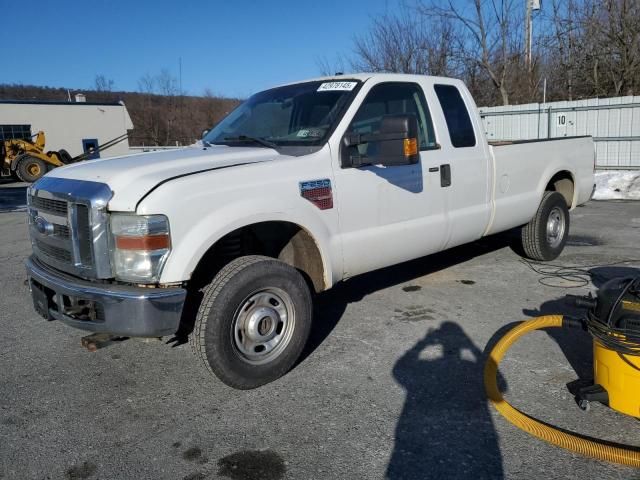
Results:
140 246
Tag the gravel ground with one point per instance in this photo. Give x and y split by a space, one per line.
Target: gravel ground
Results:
391 384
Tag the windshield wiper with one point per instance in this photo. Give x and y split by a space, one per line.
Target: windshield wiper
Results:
245 138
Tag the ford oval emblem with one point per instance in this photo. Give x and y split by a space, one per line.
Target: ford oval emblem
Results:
43 226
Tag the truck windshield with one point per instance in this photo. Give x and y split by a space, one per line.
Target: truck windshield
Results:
303 114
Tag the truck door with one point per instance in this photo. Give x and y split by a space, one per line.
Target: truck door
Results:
464 170
390 214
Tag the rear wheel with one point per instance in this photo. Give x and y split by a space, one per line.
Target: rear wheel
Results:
253 322
29 169
545 236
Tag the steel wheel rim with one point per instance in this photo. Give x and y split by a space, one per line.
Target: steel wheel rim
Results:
263 325
33 169
555 227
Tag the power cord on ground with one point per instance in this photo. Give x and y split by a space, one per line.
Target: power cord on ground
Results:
570 276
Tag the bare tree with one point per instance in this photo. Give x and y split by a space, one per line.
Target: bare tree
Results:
167 83
619 31
103 84
488 35
562 38
147 83
329 67
405 43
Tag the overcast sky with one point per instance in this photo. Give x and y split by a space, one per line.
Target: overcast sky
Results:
235 48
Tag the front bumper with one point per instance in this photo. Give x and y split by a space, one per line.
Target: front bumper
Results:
104 308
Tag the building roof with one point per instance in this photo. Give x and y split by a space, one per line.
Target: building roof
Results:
45 102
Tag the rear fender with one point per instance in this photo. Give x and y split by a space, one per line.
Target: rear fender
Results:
551 172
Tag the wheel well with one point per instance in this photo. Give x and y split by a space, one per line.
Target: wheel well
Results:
285 241
562 182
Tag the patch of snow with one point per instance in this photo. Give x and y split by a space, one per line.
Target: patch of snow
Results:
617 185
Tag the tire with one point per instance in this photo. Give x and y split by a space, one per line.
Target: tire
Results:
545 236
65 157
29 169
253 322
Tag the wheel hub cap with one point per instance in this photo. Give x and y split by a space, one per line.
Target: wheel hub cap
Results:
263 325
555 227
33 169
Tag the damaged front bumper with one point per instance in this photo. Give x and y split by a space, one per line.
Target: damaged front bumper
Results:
102 307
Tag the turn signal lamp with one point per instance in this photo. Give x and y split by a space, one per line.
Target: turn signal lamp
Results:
410 147
141 245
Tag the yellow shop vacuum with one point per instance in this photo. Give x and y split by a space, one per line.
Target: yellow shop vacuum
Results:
613 319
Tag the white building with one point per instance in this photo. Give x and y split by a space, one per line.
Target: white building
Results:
75 127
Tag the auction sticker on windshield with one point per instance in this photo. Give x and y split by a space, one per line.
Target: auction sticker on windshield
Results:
333 86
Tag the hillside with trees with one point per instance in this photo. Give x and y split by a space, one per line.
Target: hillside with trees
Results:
161 115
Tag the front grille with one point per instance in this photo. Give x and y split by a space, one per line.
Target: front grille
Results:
61 231
83 226
58 207
58 245
56 253
68 223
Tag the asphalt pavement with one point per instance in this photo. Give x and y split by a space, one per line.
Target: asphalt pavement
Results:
390 386
13 195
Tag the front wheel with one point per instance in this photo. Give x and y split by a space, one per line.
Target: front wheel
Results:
29 169
545 236
253 322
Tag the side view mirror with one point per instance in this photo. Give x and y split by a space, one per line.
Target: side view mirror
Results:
396 143
204 133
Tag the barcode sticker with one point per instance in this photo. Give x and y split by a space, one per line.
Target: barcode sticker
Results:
333 86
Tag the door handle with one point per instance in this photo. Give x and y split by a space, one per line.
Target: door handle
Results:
434 169
445 175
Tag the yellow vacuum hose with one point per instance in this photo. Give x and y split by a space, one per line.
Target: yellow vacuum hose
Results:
591 448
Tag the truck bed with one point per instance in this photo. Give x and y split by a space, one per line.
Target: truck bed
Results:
523 167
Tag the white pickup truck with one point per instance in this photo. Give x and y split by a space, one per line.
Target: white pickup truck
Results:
300 187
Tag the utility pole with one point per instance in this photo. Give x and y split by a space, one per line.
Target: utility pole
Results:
527 35
531 5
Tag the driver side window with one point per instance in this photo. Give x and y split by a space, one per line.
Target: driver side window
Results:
392 98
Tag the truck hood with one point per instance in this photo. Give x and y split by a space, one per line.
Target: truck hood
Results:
131 177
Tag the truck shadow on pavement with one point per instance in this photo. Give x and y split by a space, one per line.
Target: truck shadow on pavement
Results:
445 429
331 305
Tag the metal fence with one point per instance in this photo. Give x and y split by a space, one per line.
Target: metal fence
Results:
614 124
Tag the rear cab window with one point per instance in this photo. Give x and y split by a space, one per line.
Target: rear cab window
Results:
456 115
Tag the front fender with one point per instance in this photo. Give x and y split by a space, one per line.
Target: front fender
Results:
205 207
191 242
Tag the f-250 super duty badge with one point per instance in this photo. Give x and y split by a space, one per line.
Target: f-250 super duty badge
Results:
318 192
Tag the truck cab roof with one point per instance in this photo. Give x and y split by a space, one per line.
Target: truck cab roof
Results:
389 77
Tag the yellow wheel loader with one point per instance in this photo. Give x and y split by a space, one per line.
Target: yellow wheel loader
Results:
27 160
